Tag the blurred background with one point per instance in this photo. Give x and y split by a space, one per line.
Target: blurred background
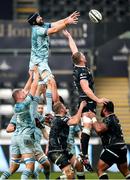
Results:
106 44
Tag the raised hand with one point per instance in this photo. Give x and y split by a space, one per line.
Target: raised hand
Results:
83 104
103 101
73 18
30 73
35 68
66 33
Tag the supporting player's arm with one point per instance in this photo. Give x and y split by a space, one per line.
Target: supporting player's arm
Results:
99 127
38 91
72 19
76 118
71 41
29 82
35 81
85 87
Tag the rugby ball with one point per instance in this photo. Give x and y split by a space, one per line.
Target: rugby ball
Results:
95 16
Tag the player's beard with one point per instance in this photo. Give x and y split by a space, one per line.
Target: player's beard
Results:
40 23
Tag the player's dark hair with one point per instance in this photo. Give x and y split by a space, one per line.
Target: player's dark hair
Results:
40 103
109 106
57 107
76 57
32 18
15 94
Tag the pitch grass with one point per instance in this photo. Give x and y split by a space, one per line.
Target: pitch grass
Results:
54 175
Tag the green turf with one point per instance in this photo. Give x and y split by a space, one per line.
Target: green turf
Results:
88 176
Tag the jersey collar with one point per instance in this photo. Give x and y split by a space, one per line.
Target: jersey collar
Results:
79 65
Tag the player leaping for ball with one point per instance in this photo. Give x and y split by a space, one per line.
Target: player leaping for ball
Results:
85 84
40 50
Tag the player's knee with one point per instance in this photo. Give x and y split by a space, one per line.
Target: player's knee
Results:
47 165
16 160
29 160
78 166
69 173
42 159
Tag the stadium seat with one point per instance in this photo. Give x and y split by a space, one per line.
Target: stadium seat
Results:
5 93
64 93
6 109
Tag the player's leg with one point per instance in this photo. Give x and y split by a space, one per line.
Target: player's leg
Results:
68 173
26 144
107 158
101 168
29 163
43 161
15 159
62 160
85 136
122 161
53 85
15 163
123 168
46 167
51 90
77 165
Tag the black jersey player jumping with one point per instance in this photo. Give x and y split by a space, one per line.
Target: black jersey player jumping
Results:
85 85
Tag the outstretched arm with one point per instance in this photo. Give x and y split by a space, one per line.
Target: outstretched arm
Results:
35 81
29 82
76 118
59 22
72 19
85 87
72 43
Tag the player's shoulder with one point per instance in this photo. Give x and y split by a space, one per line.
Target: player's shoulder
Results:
61 119
36 29
109 119
18 107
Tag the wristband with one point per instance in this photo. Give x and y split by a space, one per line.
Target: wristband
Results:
94 119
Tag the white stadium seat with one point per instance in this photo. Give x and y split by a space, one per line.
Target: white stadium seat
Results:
64 93
5 93
6 109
